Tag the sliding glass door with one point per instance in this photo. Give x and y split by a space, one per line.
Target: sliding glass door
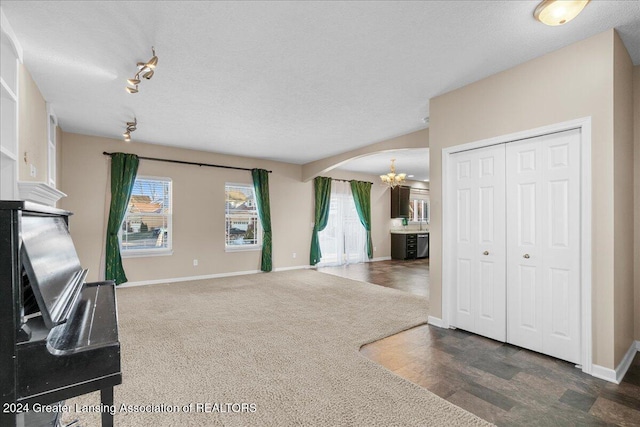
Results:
344 239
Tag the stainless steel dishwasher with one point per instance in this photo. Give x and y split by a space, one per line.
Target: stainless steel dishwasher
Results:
423 245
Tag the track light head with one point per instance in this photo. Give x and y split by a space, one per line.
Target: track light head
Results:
131 126
144 68
153 61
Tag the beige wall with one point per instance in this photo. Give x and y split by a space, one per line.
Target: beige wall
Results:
623 199
418 139
32 128
636 202
571 83
198 215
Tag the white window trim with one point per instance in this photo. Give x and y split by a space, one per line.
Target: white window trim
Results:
52 146
242 248
141 253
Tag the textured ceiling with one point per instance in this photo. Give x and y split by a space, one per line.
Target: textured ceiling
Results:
289 81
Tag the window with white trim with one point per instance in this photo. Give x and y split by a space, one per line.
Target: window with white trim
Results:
243 230
146 229
419 205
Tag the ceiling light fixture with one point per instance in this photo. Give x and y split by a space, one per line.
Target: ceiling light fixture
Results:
558 12
392 179
131 126
144 68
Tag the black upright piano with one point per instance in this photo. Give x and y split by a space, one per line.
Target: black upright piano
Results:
58 334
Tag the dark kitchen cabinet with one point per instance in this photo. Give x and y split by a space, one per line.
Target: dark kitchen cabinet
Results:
400 202
404 246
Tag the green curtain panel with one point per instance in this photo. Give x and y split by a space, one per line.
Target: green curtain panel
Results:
123 174
362 197
322 187
261 187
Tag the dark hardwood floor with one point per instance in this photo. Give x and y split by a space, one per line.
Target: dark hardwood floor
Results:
500 383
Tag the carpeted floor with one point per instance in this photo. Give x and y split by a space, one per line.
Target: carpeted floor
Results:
283 344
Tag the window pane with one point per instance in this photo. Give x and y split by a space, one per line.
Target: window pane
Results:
145 232
241 216
147 224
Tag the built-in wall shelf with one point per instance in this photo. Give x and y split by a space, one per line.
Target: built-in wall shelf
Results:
7 91
11 57
6 153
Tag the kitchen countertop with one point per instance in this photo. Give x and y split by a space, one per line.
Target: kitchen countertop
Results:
409 231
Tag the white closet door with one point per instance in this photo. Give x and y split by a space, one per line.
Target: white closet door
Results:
479 291
543 244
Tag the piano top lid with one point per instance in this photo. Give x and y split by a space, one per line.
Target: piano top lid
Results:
27 206
52 265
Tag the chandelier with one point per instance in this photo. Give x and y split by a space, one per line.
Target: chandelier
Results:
392 179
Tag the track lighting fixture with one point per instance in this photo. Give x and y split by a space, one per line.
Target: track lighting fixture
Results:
145 69
131 126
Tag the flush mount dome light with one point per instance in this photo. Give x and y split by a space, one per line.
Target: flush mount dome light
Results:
558 12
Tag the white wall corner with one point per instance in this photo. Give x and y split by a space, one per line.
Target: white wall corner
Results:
435 321
616 375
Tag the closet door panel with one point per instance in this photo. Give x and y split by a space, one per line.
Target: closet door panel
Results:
490 254
465 197
524 264
479 291
543 224
561 245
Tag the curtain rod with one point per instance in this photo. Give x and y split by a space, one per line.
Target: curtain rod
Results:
349 180
188 163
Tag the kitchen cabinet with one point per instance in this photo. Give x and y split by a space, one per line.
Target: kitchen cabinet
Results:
405 245
400 201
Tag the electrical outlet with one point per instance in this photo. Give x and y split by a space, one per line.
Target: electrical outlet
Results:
294 255
33 172
375 248
195 262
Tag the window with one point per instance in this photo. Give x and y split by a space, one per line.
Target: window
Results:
243 229
419 205
146 229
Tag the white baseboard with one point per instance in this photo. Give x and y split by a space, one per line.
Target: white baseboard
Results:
435 321
616 375
382 258
298 267
206 276
603 373
187 279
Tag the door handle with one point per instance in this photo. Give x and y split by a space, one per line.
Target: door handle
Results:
526 256
485 253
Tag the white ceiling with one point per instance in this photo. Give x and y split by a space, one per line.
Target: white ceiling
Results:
412 162
288 81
